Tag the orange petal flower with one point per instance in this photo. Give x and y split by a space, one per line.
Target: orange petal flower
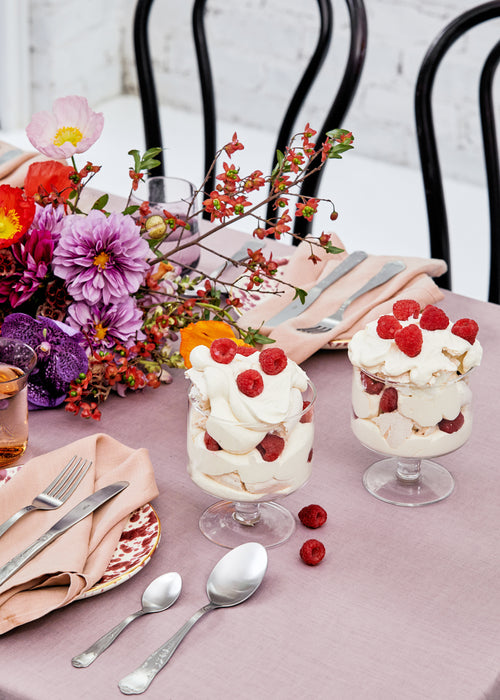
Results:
16 214
48 176
204 333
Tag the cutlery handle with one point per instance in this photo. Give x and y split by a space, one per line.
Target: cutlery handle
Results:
14 518
139 680
388 271
10 568
89 655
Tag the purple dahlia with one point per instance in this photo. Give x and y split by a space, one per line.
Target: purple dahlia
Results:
110 324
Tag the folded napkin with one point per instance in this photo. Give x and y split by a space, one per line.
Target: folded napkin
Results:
14 164
413 283
75 561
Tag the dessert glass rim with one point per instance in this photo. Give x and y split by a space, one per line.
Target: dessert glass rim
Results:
447 378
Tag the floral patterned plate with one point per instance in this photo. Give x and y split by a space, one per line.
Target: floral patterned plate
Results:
137 544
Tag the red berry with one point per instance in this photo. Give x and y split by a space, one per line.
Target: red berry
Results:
250 382
465 328
312 516
312 552
308 415
451 426
434 319
223 350
387 326
273 360
388 400
404 308
245 350
409 340
371 386
271 447
210 443
310 455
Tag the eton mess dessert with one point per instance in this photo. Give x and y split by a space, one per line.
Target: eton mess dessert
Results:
410 390
250 427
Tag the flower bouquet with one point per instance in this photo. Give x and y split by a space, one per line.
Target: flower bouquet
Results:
90 289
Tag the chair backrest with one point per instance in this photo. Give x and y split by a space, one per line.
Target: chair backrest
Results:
426 137
340 105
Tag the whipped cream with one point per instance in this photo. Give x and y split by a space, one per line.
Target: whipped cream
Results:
239 423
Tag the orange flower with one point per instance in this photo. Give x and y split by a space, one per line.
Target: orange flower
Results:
47 177
204 333
16 214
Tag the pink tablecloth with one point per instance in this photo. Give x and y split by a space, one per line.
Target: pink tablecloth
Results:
405 605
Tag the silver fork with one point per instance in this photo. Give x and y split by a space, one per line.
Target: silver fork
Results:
56 492
388 271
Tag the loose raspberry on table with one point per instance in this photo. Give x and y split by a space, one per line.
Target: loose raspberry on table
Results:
223 350
434 319
388 400
451 426
210 443
273 360
245 350
308 415
386 327
404 308
250 382
312 552
313 516
271 447
465 328
371 386
409 340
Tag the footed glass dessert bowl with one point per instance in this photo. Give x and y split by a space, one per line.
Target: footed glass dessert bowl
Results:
249 440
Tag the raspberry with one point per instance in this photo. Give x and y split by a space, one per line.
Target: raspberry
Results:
313 516
273 360
312 552
245 350
210 443
434 319
409 340
223 350
451 426
308 415
404 308
271 447
310 455
371 386
388 400
250 382
387 326
465 328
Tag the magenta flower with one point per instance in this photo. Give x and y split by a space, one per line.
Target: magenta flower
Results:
71 128
106 325
33 257
102 259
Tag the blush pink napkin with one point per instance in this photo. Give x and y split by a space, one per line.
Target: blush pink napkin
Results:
14 164
75 561
413 283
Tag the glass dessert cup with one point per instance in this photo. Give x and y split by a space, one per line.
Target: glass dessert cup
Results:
426 423
246 480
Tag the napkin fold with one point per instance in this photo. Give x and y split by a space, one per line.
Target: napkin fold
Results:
75 561
14 164
415 282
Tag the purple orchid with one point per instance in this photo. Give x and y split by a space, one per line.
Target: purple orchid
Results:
61 357
110 324
102 259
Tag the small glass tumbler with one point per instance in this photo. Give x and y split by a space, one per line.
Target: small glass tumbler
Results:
176 196
17 360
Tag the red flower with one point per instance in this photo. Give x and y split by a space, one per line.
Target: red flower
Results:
235 145
48 177
307 209
218 206
254 181
16 214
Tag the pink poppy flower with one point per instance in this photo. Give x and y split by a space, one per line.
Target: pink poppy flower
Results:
71 128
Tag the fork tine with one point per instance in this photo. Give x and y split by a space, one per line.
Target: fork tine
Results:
73 479
62 475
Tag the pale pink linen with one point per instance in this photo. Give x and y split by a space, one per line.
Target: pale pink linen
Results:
413 283
77 559
14 164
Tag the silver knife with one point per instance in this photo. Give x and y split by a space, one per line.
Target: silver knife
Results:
296 307
84 508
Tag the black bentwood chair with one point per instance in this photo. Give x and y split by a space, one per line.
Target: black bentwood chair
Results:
334 119
431 172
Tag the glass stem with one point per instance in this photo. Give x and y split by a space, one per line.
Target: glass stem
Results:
246 513
408 469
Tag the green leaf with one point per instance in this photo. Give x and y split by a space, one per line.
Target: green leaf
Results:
149 163
131 209
329 248
152 152
252 336
101 202
137 159
300 294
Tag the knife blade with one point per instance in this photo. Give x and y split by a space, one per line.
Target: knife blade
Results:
296 307
80 511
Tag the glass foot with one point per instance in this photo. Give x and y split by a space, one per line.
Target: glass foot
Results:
430 484
230 524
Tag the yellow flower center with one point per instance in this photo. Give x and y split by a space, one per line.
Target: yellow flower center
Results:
101 260
68 133
9 224
100 331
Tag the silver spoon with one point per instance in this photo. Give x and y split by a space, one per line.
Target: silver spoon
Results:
158 596
233 579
